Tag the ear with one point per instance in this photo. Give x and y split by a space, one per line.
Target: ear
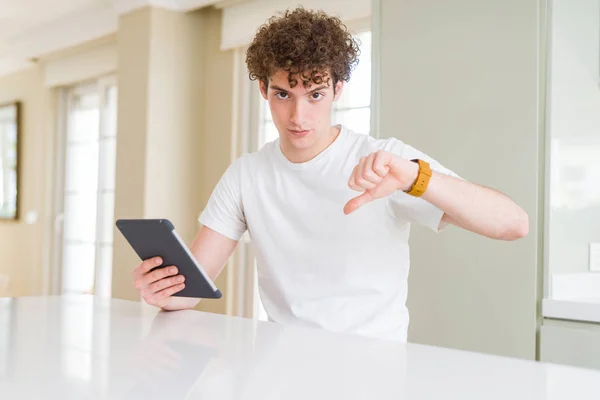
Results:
263 89
338 90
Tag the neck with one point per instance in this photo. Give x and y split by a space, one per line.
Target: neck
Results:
298 156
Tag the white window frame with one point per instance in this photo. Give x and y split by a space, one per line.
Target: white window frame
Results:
99 84
244 139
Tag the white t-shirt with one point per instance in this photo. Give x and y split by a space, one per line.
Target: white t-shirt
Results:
317 266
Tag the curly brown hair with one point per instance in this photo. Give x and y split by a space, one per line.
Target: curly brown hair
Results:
308 44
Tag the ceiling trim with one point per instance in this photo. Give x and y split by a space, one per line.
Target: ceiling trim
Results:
126 6
189 5
228 3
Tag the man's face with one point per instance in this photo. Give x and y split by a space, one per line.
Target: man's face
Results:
301 115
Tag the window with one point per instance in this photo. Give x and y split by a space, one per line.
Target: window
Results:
89 188
8 160
353 109
573 123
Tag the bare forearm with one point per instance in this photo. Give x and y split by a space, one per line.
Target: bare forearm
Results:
476 208
211 250
472 207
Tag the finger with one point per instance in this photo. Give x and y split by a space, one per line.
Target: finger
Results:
380 166
157 275
368 172
165 283
147 265
352 182
138 271
359 176
357 202
138 276
168 292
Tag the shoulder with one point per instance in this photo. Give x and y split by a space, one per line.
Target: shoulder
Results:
364 144
247 165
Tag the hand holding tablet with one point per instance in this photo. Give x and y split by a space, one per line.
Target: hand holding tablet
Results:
168 267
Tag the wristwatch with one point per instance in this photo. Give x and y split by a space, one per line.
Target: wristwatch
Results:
420 185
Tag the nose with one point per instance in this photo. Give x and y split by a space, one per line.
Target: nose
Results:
298 115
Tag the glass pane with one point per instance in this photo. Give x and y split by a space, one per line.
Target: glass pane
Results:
110 113
81 169
106 207
12 191
11 155
89 187
80 217
11 133
84 121
358 120
357 92
574 136
8 194
108 161
78 268
8 161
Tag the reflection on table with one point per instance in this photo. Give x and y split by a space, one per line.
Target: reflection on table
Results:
85 347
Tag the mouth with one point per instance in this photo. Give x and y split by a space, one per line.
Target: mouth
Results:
298 133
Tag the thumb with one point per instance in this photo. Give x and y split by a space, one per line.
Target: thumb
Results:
357 202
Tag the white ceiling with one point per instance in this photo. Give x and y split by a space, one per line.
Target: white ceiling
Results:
33 28
30 28
17 16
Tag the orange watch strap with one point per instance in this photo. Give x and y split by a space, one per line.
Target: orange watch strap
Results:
422 182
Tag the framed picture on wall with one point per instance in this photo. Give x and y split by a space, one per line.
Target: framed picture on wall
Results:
10 132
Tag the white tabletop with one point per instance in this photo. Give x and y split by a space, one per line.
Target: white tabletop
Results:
83 347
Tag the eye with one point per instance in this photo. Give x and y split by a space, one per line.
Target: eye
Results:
316 96
281 95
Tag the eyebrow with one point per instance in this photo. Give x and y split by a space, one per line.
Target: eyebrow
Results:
275 87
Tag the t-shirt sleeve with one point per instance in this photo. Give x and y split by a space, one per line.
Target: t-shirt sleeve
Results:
224 211
416 210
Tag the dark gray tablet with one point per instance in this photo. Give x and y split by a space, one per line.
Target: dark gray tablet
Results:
157 237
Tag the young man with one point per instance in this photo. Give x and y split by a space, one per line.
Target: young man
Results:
328 210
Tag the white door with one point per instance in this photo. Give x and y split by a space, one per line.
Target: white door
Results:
86 191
